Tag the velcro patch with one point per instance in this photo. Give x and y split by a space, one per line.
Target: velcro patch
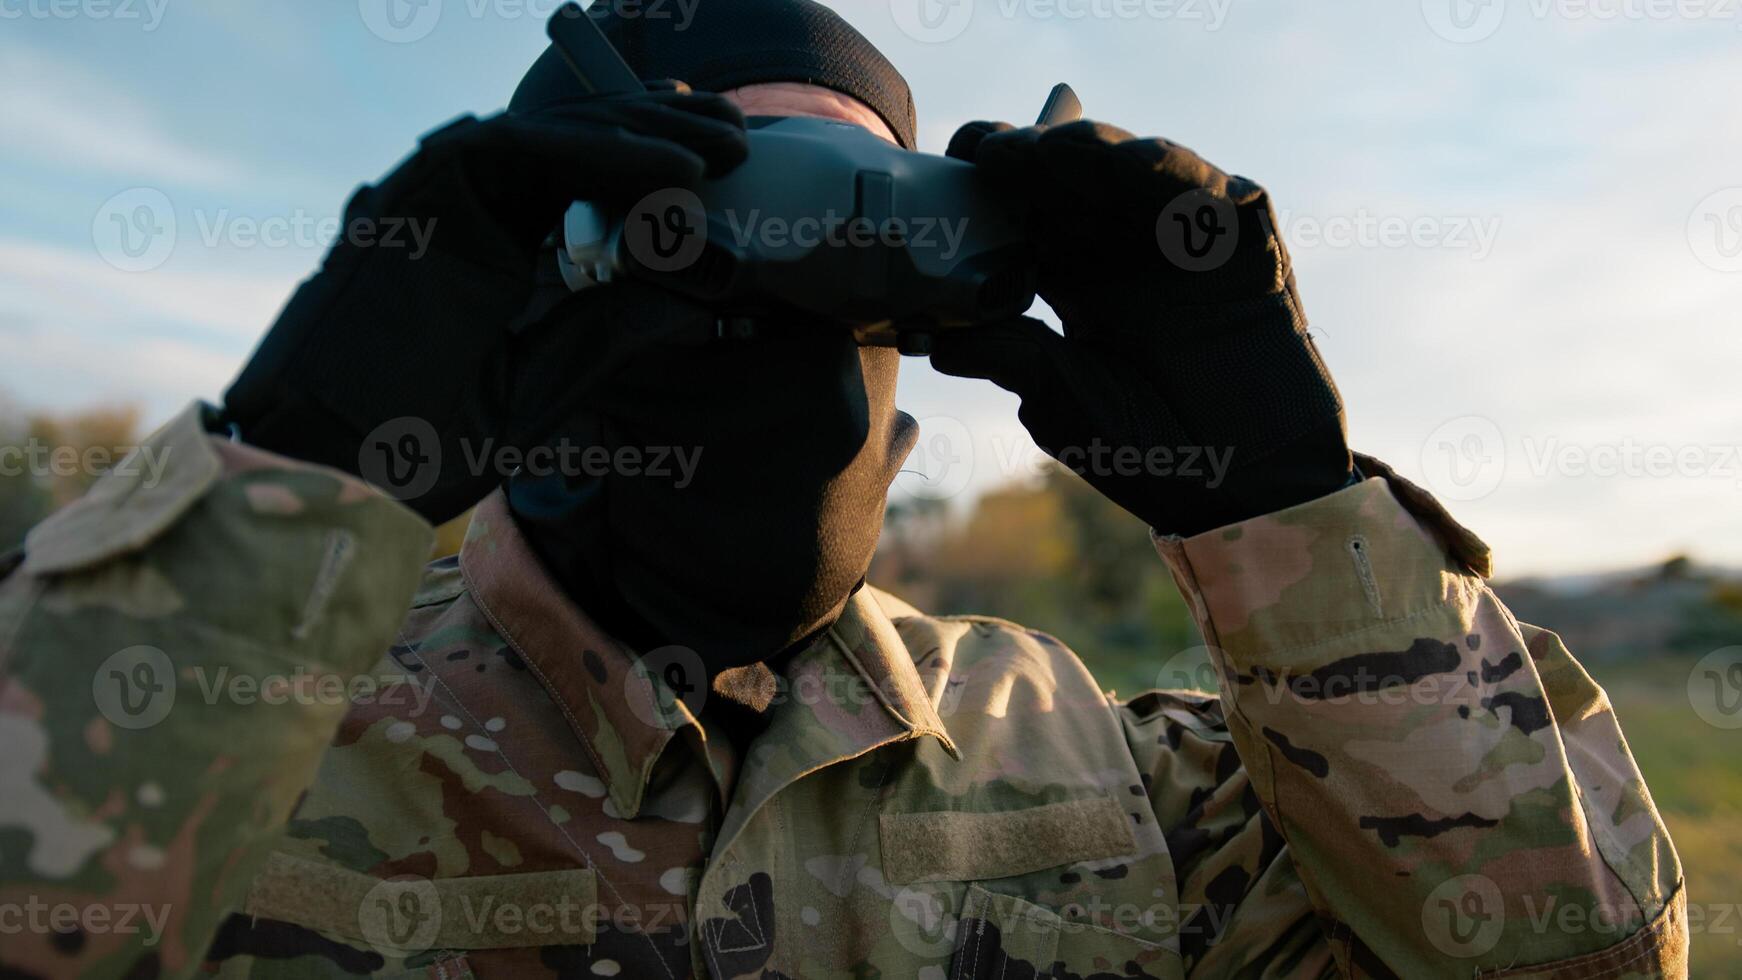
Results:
540 908
963 846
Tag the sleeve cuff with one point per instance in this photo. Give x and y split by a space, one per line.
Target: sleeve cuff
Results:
1285 585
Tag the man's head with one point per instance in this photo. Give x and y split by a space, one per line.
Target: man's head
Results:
762 52
796 440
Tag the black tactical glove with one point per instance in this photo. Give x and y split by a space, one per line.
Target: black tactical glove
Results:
399 347
1185 387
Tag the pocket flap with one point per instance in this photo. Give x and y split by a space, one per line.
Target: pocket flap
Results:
538 908
962 846
131 505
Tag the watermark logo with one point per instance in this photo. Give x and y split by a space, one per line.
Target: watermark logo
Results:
666 231
1715 231
401 915
1464 916
1715 688
942 461
402 456
1191 669
1465 458
400 21
135 231
932 21
1464 21
135 688
921 923
1198 231
673 674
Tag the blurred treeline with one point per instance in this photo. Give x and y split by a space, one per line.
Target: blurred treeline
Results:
1054 556
29 492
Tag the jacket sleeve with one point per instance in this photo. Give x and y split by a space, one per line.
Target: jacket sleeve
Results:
176 651
1424 786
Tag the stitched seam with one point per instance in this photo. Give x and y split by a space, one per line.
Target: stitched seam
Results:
1646 939
536 801
859 831
969 958
544 681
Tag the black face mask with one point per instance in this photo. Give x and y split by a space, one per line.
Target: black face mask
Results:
778 454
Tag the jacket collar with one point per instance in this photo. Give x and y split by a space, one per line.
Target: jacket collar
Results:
625 714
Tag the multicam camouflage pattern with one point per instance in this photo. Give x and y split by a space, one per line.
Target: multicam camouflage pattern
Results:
1397 779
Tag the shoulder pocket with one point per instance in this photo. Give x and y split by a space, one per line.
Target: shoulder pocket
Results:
132 504
965 846
540 908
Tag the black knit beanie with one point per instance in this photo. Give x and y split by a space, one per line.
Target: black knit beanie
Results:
724 44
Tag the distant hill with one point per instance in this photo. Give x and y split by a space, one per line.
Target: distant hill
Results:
1677 607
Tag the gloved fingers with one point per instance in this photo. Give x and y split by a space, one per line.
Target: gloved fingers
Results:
965 144
1105 169
622 169
1007 156
586 163
714 128
1021 355
1111 170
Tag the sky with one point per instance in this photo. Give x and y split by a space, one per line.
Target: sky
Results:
1517 224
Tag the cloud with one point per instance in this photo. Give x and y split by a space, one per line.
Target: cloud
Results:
77 287
75 118
59 366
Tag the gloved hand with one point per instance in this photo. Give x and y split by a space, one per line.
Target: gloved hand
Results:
386 331
1185 387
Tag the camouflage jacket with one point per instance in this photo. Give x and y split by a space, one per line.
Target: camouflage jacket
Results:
246 733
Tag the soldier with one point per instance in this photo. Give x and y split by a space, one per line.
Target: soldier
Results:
655 725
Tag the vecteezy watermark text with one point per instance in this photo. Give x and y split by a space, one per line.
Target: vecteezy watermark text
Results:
300 229
406 21
939 21
39 459
837 230
1365 229
404 456
149 13
38 917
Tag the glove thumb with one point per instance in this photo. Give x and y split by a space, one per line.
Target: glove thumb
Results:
965 145
1021 355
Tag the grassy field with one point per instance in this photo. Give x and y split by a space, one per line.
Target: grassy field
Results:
1695 774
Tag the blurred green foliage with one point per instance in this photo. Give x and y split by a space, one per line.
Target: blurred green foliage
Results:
42 459
1055 556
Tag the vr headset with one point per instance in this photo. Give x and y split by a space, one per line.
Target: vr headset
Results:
823 222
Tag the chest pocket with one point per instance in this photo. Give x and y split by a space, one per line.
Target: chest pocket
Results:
1001 931
403 918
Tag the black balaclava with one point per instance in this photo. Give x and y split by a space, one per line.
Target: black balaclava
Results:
726 44
798 435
